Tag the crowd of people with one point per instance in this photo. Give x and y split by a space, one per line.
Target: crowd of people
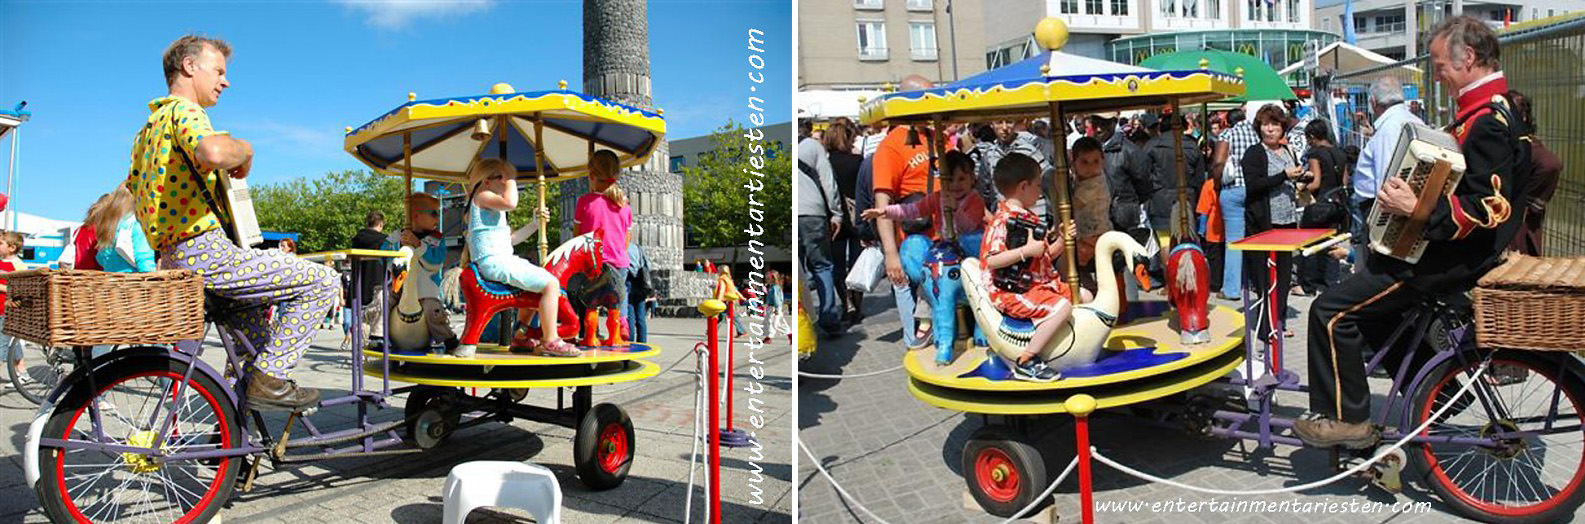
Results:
1274 166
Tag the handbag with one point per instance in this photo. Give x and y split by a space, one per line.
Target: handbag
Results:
867 271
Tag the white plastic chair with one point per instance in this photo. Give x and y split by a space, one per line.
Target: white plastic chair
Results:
521 485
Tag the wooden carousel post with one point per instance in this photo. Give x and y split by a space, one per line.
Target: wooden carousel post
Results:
1058 187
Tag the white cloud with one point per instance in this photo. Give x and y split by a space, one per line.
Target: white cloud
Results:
396 14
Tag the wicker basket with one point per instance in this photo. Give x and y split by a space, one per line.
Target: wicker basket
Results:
88 308
1532 303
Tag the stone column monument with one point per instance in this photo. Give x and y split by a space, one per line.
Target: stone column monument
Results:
616 67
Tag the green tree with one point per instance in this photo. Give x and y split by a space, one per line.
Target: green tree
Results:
330 209
717 199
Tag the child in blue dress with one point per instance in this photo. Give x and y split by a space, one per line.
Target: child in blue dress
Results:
493 192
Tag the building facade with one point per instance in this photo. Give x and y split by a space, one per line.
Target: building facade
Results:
1129 31
865 44
1384 26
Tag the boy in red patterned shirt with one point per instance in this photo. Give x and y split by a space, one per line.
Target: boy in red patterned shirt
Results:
1025 280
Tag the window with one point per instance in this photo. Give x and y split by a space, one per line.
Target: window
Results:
1119 7
1551 13
1535 13
1293 11
1169 8
867 4
920 5
1252 9
677 163
1213 9
1093 7
1191 8
922 40
1069 7
872 40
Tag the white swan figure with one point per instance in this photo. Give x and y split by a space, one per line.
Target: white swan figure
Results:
1078 342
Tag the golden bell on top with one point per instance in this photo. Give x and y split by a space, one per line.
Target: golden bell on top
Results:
1051 34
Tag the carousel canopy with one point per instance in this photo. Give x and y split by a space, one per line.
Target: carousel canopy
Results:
1027 88
449 134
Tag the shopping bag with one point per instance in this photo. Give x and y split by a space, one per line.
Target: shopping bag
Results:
867 271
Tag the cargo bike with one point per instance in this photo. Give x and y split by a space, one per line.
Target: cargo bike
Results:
1502 439
153 432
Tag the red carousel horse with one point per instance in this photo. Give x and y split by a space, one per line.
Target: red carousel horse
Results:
579 256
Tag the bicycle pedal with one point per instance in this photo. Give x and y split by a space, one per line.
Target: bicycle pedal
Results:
1389 471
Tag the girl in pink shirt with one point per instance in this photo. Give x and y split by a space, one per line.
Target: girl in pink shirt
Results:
968 214
604 209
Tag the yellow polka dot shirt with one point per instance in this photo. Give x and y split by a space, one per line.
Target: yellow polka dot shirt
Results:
168 202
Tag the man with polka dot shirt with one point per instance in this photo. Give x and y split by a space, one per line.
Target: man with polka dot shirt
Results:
174 207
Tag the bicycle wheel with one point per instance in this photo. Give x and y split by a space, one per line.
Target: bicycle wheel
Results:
35 369
1533 469
136 397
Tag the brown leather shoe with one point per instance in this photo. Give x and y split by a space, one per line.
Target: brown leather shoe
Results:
1326 432
269 393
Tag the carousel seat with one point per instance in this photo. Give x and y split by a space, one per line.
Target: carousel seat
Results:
490 286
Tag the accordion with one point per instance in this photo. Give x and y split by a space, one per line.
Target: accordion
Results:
1016 278
1430 161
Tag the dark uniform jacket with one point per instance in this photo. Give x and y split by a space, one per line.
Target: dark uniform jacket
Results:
1470 228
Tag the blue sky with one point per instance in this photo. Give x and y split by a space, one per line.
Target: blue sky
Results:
303 70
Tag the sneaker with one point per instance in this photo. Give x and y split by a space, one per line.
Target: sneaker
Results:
462 350
1034 371
24 378
1326 432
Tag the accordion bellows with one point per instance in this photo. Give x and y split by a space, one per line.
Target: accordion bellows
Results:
1430 161
1532 303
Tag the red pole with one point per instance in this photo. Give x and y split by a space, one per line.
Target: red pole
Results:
1275 338
712 331
731 337
1080 406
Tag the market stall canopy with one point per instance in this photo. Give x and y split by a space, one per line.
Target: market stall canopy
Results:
826 104
449 134
1027 88
1261 82
1342 57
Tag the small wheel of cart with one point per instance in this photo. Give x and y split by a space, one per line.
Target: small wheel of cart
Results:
603 448
1003 470
432 416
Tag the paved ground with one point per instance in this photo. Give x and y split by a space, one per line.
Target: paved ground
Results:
407 488
900 458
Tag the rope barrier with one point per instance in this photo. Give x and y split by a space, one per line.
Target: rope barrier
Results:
856 375
1349 472
855 502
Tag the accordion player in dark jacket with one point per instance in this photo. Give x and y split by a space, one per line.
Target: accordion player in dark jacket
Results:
1467 232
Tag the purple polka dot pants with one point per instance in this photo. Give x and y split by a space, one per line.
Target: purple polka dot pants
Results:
301 291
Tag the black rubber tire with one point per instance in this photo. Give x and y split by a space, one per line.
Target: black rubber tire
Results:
1545 364
36 391
597 467
991 447
417 402
50 490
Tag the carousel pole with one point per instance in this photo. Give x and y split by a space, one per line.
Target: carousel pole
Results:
1184 231
539 169
1058 185
938 157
